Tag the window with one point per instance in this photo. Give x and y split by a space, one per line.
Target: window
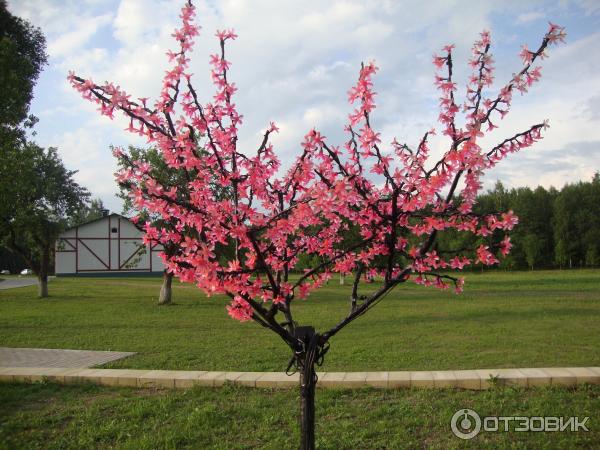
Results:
113 230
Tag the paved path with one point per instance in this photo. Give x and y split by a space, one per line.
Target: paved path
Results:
43 357
461 379
10 283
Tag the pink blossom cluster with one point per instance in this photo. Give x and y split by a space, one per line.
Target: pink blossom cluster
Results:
398 199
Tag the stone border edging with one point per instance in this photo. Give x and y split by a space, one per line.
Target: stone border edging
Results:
463 379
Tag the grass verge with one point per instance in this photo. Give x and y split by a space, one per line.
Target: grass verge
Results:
72 417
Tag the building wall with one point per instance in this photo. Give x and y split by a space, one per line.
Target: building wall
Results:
110 244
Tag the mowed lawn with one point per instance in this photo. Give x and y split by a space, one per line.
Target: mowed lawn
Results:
93 417
520 319
502 320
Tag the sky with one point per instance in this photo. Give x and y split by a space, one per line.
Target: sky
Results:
295 61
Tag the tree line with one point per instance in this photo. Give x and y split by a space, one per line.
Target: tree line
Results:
557 228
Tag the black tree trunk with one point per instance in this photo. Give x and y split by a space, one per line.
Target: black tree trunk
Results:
307 407
308 383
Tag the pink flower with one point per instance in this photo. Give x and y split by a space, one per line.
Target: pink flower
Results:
484 256
459 262
240 309
459 285
505 246
226 34
526 55
273 128
509 220
438 61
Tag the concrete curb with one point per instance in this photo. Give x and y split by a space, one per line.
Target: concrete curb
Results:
173 379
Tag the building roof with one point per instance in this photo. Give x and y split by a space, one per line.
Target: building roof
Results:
102 218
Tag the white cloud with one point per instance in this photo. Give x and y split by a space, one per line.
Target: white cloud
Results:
45 14
323 115
136 21
70 42
590 6
530 17
295 61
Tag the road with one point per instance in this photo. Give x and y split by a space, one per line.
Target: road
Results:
10 283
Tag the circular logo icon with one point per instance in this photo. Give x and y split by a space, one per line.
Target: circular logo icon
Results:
465 424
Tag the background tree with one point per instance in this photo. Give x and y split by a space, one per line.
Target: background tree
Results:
88 212
534 234
22 57
171 178
561 255
175 179
577 222
591 221
37 196
532 247
10 261
557 228
275 218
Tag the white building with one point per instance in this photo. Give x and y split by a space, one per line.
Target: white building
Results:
110 245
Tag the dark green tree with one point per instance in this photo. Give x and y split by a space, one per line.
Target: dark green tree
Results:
533 238
171 178
535 211
577 223
561 254
591 234
532 248
92 211
167 177
22 57
37 196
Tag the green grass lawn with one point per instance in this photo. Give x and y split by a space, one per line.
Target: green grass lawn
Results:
74 417
523 319
503 320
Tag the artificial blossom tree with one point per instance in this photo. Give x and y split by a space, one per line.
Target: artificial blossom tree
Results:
398 199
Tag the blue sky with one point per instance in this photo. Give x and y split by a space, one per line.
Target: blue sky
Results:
295 61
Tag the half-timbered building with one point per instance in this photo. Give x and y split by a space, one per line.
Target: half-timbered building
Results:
109 245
